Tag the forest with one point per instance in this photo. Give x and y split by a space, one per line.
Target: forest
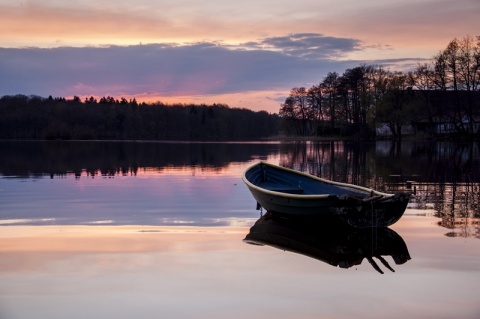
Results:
438 93
442 93
34 117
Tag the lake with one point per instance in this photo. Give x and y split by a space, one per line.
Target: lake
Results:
161 229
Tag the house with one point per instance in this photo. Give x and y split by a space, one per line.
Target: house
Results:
384 130
444 125
439 125
475 119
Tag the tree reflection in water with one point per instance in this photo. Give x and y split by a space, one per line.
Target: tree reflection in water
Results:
443 175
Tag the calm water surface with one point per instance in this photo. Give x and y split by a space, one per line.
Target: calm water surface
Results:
122 230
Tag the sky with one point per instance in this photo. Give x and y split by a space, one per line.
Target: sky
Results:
246 54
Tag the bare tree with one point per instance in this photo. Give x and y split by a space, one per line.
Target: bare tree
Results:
314 102
468 71
329 87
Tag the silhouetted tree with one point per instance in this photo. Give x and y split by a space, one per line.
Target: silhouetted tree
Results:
33 117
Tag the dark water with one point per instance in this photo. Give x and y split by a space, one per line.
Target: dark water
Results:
140 229
191 178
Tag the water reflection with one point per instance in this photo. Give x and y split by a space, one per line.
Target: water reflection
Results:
443 175
344 247
461 226
385 163
59 158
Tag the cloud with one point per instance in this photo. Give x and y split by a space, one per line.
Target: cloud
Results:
311 45
169 70
196 68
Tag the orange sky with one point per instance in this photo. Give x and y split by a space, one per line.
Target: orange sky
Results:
246 54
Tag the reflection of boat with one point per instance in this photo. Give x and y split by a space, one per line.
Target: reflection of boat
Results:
295 194
341 246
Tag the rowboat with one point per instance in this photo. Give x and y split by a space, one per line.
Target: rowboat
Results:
293 194
340 246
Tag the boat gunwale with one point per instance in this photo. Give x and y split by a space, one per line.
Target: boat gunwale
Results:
302 196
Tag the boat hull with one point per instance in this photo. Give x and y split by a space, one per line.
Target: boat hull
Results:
357 206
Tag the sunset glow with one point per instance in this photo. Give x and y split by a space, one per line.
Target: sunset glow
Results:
245 55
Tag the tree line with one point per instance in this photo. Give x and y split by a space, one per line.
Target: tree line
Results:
34 117
354 102
56 158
